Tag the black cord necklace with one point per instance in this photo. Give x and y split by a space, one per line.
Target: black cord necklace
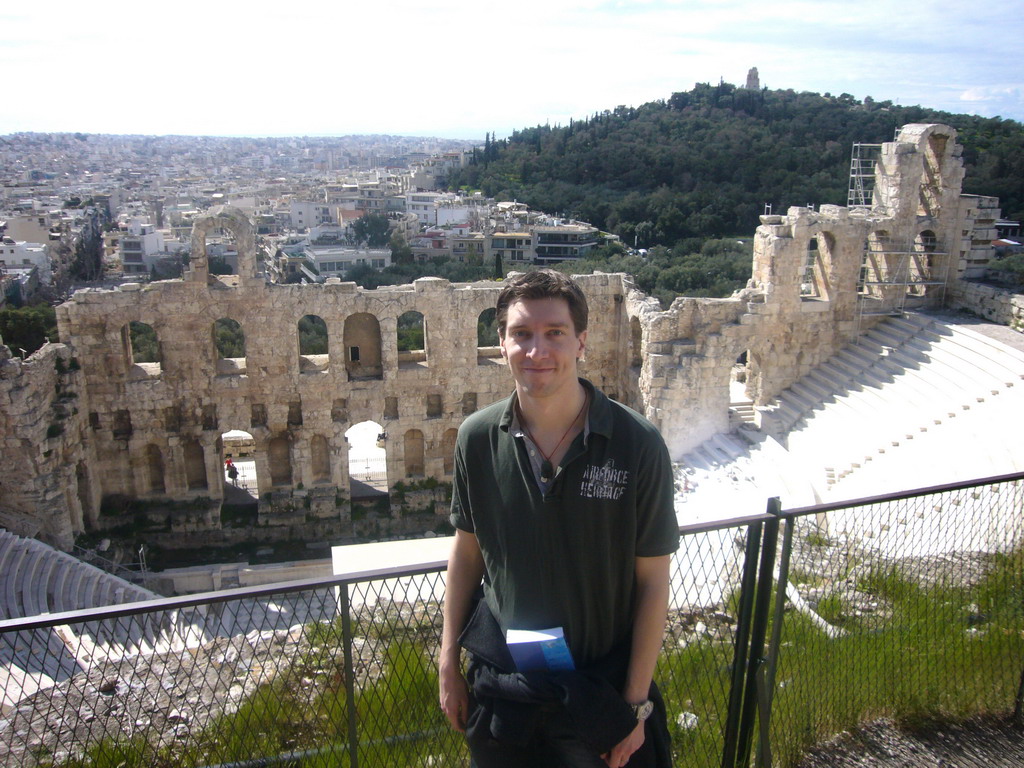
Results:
547 471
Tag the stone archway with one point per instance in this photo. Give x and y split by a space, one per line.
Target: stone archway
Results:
237 223
239 447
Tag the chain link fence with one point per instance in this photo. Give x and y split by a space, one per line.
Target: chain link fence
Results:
904 605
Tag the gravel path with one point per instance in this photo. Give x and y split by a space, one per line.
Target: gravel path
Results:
976 743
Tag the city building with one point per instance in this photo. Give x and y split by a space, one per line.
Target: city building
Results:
141 247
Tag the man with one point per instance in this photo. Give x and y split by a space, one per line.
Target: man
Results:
563 505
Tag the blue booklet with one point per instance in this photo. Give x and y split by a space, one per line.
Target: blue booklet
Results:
539 649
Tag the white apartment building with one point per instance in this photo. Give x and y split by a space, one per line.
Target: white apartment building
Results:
24 256
20 259
335 261
140 247
429 173
560 241
511 247
440 209
422 204
305 215
469 247
366 192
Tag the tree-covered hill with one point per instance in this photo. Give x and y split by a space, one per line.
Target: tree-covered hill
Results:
704 162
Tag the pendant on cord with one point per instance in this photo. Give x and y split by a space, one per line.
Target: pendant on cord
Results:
547 471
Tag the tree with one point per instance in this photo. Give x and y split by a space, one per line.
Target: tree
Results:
145 348
487 328
704 163
87 263
401 253
229 338
28 328
219 266
371 229
312 335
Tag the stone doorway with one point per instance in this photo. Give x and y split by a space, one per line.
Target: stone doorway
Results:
367 460
239 447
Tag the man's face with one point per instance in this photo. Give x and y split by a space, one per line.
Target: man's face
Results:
541 346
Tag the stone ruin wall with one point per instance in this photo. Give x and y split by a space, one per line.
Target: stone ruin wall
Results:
145 432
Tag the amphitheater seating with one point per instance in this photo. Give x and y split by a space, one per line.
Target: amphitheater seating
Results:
918 400
37 579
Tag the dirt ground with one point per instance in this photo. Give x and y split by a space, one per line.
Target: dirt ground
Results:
977 743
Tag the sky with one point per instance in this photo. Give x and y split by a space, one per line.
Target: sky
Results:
458 69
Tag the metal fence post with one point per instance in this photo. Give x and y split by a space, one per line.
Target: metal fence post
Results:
758 630
350 677
1018 711
739 661
763 759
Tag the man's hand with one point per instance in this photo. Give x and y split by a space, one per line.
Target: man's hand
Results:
454 695
624 750
465 569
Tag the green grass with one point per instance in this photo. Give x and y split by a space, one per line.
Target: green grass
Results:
399 722
930 658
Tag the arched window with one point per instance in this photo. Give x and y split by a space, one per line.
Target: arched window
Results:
487 349
923 268
412 340
414 463
320 455
313 344
932 185
363 347
155 469
279 456
875 265
229 340
142 349
448 449
809 288
195 466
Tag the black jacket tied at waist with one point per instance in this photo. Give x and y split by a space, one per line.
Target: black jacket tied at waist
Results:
509 703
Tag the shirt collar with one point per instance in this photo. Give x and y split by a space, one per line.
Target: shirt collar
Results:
599 416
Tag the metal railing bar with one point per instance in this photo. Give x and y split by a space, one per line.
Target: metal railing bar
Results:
209 598
717 525
283 587
902 495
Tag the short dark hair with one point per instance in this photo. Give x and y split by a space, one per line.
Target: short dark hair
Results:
543 284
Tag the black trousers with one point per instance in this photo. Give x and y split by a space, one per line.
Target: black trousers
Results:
554 745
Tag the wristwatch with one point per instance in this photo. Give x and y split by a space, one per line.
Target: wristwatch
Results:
643 710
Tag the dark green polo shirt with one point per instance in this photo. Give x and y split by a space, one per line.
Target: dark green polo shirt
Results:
566 558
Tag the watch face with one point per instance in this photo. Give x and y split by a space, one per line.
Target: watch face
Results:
643 711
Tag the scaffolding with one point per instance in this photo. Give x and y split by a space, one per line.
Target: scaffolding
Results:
899 274
863 159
